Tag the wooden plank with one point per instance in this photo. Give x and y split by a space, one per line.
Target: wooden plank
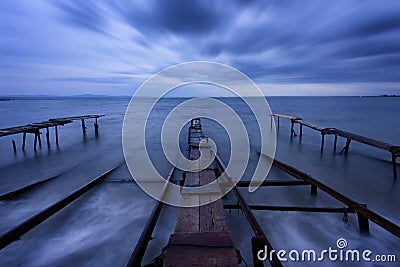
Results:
31 128
274 183
201 236
184 256
285 116
361 139
205 223
309 125
220 239
201 249
213 191
218 217
192 178
188 220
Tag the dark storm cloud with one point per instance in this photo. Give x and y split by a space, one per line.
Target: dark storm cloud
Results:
314 33
276 41
376 25
174 16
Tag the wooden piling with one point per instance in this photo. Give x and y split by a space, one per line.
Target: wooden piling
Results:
83 126
292 128
322 141
314 190
39 139
96 127
35 141
347 146
48 137
301 130
56 130
271 118
363 222
335 143
14 146
394 164
23 141
278 123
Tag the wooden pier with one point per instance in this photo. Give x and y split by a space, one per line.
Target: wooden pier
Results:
393 149
36 127
201 236
201 233
363 213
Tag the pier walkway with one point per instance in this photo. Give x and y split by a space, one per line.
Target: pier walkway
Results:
393 149
201 236
36 127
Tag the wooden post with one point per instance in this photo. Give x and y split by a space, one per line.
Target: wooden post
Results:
322 141
40 140
56 129
83 126
257 244
346 148
14 146
314 190
96 128
301 130
292 128
188 141
271 117
48 137
335 143
345 216
34 143
23 140
278 122
394 166
363 223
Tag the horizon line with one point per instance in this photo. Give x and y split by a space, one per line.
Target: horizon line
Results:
128 96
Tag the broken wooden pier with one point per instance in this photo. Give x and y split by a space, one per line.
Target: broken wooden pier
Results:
200 230
201 236
36 127
201 233
393 149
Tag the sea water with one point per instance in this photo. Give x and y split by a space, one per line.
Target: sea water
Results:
102 227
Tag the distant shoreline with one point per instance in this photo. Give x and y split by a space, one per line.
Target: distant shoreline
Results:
51 97
389 96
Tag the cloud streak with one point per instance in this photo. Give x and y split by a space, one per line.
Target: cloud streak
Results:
274 42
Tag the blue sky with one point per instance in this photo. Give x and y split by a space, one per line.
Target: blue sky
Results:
110 47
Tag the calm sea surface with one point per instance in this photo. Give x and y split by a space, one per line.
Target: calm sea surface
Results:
102 227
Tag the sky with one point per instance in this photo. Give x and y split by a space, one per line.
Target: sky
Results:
110 47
